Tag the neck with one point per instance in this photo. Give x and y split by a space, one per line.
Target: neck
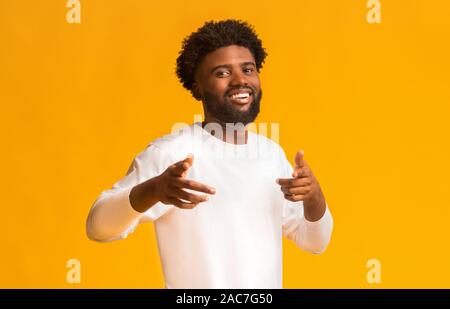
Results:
232 134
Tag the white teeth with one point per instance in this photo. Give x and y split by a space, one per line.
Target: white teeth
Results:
240 96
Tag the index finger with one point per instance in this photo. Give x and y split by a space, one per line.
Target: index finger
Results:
194 185
285 181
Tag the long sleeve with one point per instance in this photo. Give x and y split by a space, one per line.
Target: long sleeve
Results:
111 216
313 237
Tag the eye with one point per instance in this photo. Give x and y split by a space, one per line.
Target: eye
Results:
222 73
248 70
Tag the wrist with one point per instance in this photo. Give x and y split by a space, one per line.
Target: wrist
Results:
144 195
314 208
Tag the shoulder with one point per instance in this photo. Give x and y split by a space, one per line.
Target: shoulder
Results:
175 145
268 144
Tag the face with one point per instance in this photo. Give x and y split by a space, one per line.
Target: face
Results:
228 84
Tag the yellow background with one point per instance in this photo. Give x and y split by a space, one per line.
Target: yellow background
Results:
369 104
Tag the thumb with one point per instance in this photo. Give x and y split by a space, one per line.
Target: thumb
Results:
182 166
189 159
299 158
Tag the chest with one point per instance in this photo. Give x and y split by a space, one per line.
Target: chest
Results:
237 179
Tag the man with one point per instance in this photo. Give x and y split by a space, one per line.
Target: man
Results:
220 199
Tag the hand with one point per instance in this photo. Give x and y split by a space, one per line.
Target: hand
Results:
171 184
304 187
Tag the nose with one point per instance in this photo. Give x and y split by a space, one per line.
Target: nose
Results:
238 79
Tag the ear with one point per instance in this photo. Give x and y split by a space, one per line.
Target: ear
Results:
196 91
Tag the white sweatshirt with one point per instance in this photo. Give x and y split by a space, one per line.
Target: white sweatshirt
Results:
234 240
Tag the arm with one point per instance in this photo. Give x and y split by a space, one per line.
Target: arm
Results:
306 217
112 215
119 210
310 236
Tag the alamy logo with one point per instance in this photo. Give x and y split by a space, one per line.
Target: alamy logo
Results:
374 273
374 14
74 14
74 273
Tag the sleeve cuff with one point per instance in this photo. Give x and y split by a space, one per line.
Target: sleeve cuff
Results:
123 198
324 219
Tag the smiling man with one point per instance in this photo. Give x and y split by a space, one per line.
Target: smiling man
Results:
221 197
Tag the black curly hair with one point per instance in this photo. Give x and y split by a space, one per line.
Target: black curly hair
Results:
211 36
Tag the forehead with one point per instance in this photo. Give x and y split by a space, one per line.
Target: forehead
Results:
232 55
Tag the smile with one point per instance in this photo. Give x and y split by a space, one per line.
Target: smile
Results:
242 97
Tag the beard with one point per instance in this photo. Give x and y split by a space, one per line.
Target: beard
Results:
226 112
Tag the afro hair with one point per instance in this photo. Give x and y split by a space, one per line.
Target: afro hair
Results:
211 36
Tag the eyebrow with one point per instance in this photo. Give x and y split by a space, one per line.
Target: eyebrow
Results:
229 65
